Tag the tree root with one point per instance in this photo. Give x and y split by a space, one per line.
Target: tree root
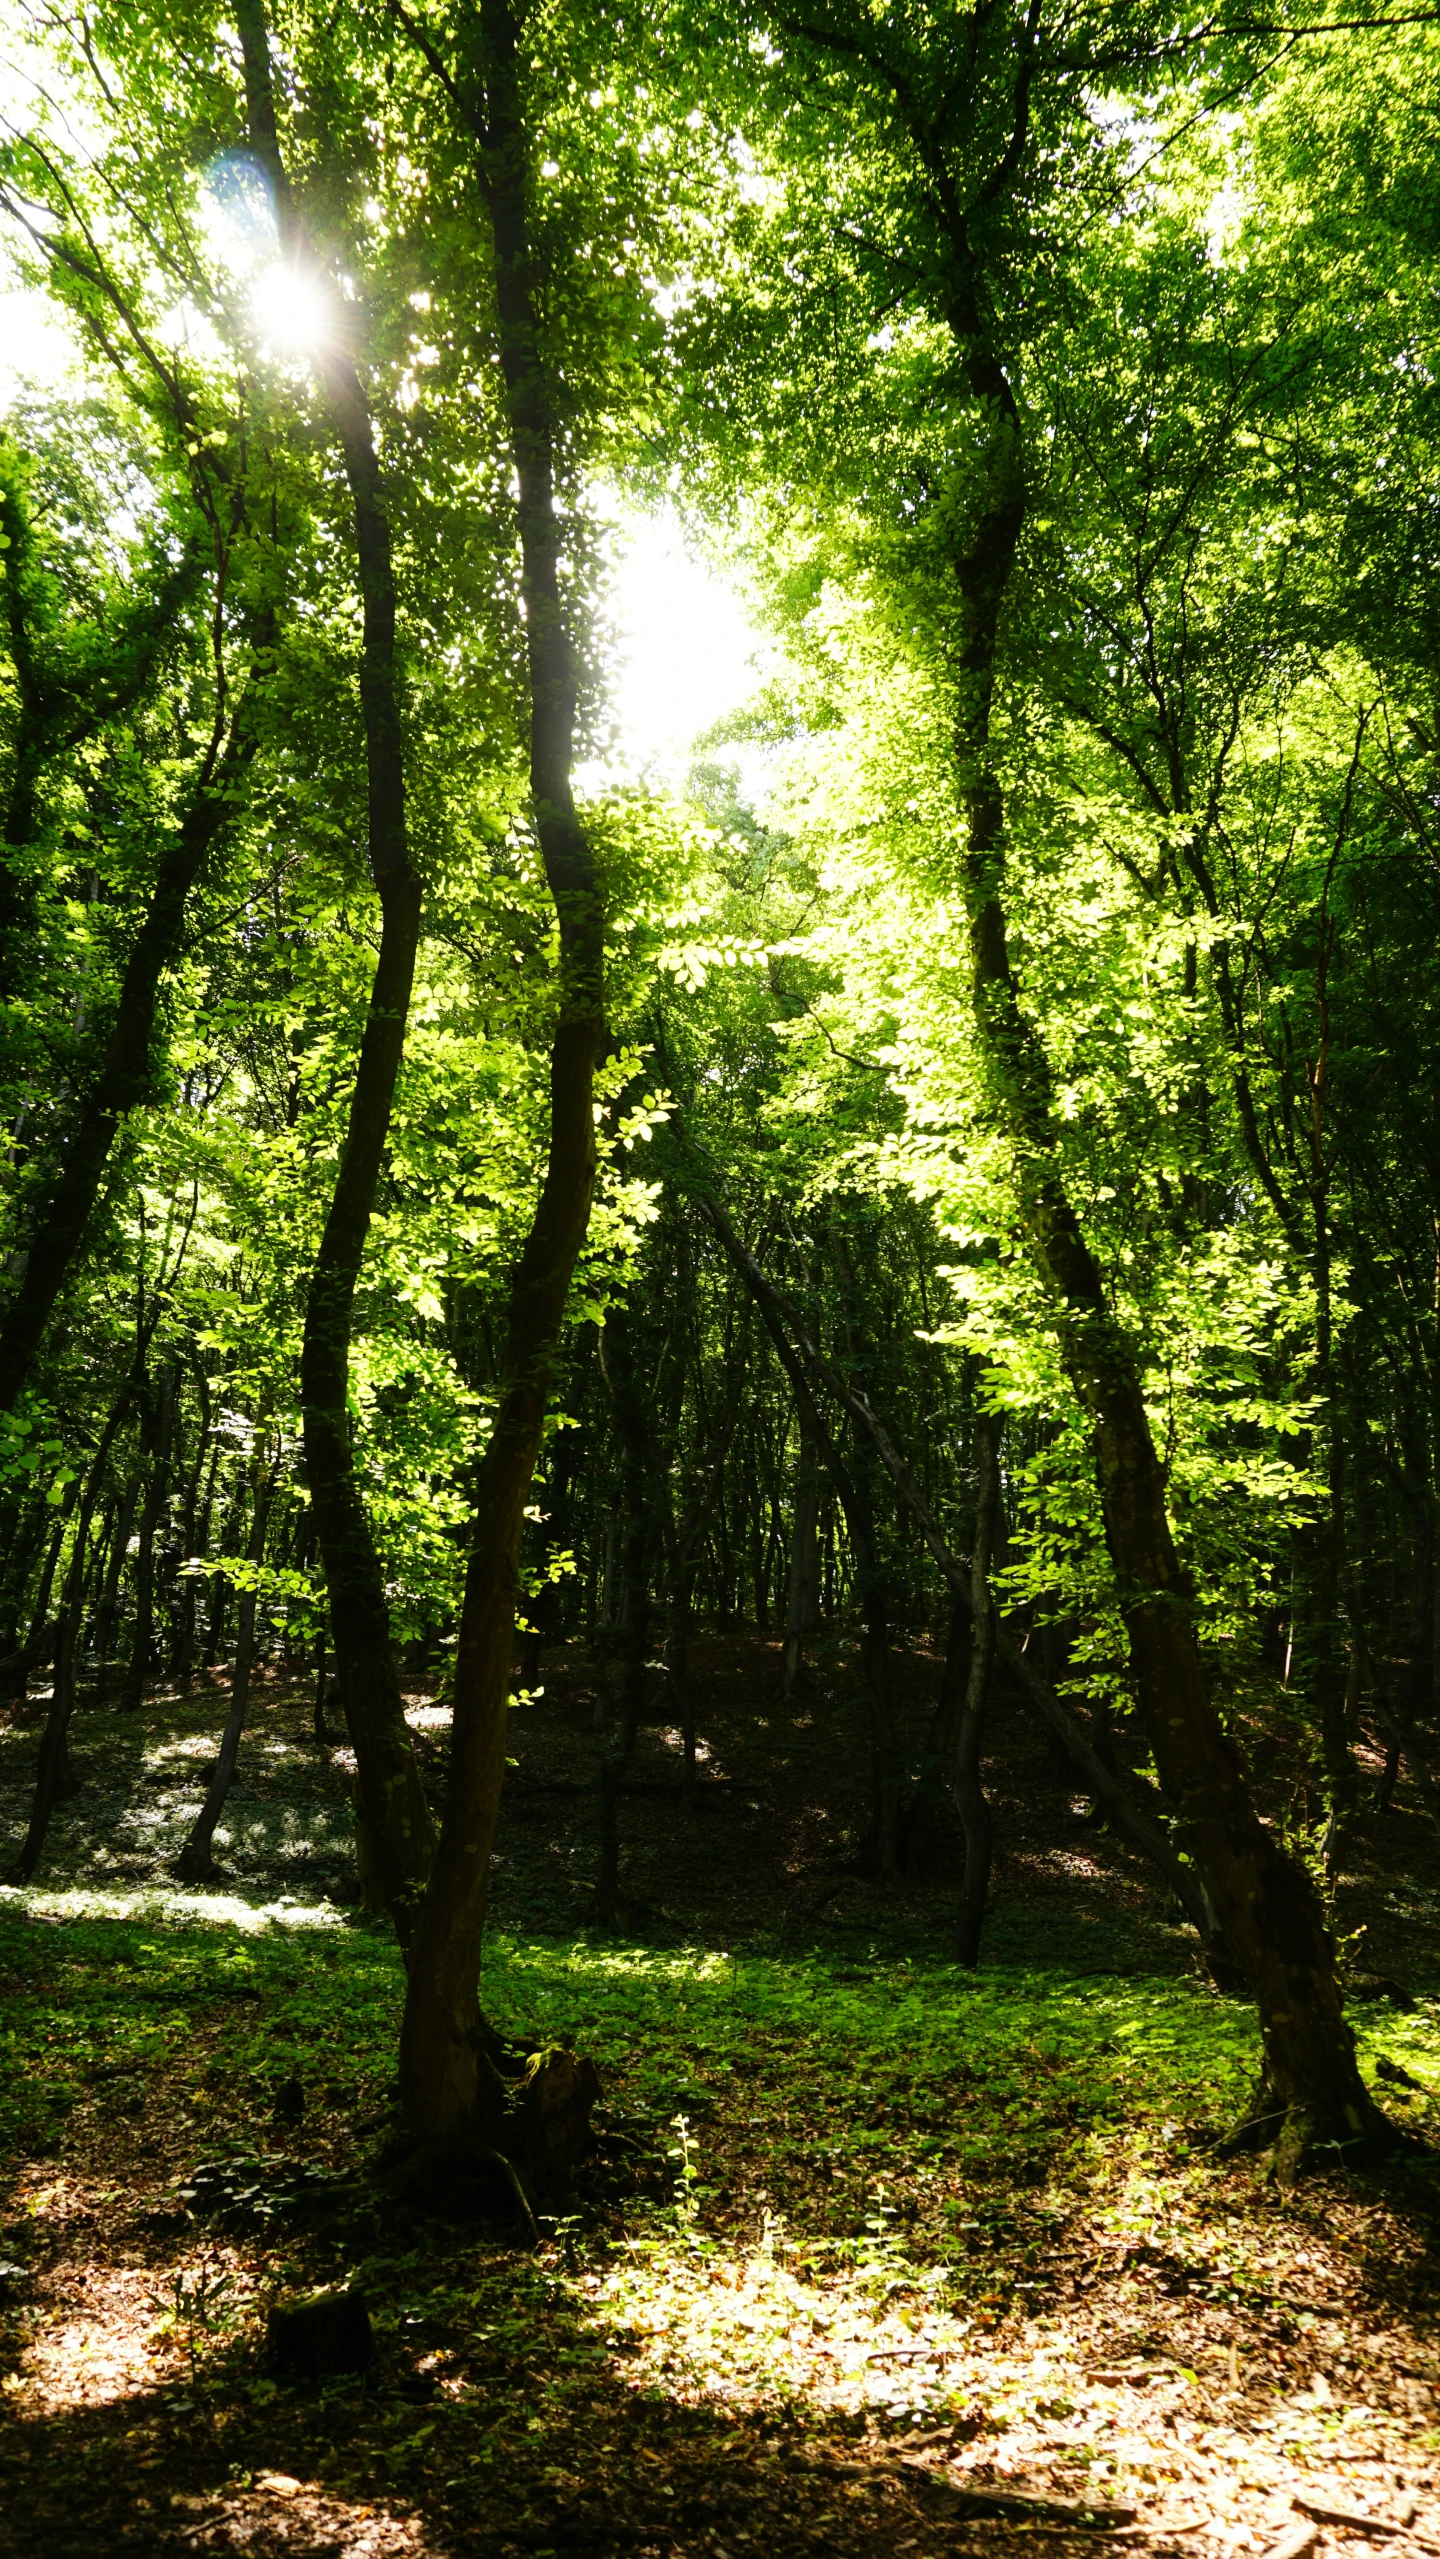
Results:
196 1866
531 2149
454 2177
1298 2141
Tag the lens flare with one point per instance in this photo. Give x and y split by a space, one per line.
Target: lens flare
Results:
237 212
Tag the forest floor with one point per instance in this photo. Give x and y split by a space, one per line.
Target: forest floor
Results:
870 2245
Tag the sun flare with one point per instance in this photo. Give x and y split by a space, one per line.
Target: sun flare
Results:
291 310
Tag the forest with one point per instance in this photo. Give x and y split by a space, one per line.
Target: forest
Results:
719 1444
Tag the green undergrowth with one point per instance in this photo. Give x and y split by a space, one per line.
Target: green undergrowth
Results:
865 2073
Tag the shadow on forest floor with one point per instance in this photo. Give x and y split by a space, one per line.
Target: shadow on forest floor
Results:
877 2245
867 2237
768 1855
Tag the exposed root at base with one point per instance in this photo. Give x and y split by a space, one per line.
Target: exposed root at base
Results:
1301 2141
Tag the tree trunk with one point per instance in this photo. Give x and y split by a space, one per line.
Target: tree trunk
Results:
970 1801
1332 1580
319 1728
855 1490
544 1611
198 1511
125 1076
1311 2091
686 1545
25 1527
448 2081
934 1776
54 1776
30 1650
157 1435
108 1608
196 1861
857 1496
802 1600
627 1398
392 1812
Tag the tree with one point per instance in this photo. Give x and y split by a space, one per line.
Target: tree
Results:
961 166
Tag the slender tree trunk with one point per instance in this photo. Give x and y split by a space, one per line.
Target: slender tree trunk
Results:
970 1803
108 1609
196 1861
887 1764
758 1583
126 1072
934 1776
392 1812
857 1496
447 2079
543 1613
1311 2090
617 1359
198 1512
158 1434
803 1589
217 1604
688 1543
54 1776
26 1530
1332 1578
677 1671
39 1631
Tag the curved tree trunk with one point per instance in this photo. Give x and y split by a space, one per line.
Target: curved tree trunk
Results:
1311 2090
392 1814
447 2080
124 1078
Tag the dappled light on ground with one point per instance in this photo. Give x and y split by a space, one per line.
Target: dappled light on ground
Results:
873 2259
875 2256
